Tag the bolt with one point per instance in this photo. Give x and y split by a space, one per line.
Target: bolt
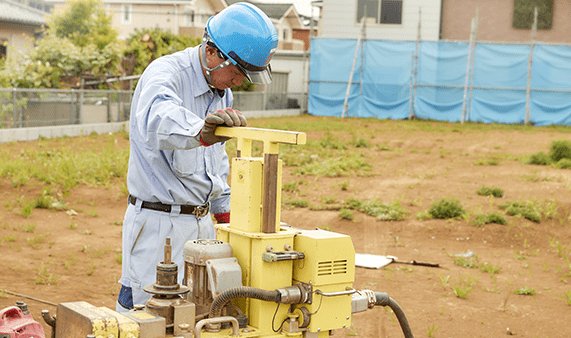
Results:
287 247
269 248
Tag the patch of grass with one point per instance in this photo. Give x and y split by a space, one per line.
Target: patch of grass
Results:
559 150
27 209
525 291
29 228
346 214
467 262
561 249
298 203
290 187
383 212
344 186
36 241
72 226
118 258
431 331
490 161
529 210
568 297
360 143
330 142
540 158
350 165
463 288
490 268
446 209
490 191
8 239
483 219
564 163
44 276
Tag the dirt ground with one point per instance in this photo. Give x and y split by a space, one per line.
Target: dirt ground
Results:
74 254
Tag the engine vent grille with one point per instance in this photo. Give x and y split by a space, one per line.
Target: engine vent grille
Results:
338 267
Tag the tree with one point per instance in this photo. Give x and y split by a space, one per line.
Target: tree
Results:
83 22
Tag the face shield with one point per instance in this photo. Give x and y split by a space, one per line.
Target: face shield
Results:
255 74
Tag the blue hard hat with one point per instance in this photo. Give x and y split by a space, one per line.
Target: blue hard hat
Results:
247 37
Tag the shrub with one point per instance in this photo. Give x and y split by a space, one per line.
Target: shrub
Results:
491 191
525 291
527 210
446 208
488 219
540 158
346 214
559 150
564 163
383 212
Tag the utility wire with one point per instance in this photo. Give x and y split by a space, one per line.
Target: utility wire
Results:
27 297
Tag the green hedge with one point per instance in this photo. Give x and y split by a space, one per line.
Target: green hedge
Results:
523 13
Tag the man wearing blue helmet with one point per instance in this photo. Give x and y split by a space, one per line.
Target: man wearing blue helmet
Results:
178 167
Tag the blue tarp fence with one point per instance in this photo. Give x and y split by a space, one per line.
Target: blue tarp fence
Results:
391 80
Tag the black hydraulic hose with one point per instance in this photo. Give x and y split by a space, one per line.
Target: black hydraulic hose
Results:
241 292
384 299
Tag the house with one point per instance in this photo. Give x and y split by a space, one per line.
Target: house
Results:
185 17
291 31
383 19
19 24
498 20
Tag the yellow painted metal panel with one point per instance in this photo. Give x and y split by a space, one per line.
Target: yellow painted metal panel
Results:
246 197
127 327
264 135
329 258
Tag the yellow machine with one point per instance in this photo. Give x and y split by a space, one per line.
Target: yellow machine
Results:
259 278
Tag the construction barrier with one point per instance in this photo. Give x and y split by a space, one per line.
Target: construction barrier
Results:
440 80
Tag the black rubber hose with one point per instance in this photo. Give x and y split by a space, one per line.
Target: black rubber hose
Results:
241 292
383 299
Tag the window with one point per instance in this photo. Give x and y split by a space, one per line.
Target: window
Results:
3 49
391 11
524 13
382 11
126 14
285 34
189 18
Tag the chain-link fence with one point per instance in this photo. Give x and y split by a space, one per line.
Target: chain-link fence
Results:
20 108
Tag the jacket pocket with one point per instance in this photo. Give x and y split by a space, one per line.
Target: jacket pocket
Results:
187 162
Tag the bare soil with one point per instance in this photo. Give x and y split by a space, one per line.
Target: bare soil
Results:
74 254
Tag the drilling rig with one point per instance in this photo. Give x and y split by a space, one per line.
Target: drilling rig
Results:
260 277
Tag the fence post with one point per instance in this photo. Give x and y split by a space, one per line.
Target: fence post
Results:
414 69
14 113
529 68
469 66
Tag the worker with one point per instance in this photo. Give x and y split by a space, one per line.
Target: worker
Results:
178 167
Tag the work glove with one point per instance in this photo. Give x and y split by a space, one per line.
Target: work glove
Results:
223 217
223 117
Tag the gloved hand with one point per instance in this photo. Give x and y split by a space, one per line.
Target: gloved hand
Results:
223 217
227 117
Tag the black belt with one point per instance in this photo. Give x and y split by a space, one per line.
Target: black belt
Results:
196 210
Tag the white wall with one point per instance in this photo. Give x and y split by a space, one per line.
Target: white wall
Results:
295 64
339 20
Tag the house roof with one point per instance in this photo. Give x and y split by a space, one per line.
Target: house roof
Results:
15 12
274 11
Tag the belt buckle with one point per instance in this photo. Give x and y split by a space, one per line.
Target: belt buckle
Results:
201 210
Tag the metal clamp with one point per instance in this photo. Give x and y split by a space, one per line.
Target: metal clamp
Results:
349 291
282 256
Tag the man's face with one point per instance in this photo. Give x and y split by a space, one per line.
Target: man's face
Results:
226 77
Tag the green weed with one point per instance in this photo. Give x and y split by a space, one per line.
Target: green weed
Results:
528 210
446 208
346 214
297 203
489 268
44 276
463 288
483 219
568 297
491 161
383 212
559 150
525 291
490 191
540 158
36 241
431 332
290 187
467 262
29 228
344 186
8 239
564 163
350 165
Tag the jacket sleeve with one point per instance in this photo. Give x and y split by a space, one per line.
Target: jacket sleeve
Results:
161 119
